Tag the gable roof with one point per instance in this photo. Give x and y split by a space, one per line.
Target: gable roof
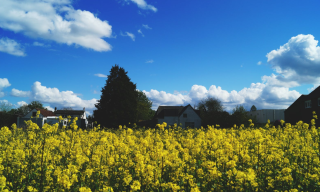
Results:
163 111
313 94
69 112
46 113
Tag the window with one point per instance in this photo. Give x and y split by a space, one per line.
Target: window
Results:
308 104
189 124
34 114
185 115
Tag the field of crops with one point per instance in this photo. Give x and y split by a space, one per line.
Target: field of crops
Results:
56 158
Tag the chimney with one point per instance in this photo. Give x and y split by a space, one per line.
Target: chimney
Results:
55 109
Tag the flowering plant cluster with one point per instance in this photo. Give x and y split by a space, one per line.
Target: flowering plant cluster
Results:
54 158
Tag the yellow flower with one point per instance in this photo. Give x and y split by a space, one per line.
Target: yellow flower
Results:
60 118
84 189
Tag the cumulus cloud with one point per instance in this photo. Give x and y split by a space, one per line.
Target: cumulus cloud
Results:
263 96
139 31
100 75
259 63
49 108
59 99
18 93
150 61
146 26
55 20
142 4
10 46
297 61
3 84
21 103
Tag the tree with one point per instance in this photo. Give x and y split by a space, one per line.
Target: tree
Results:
253 108
35 105
144 111
5 106
210 105
212 112
240 116
118 102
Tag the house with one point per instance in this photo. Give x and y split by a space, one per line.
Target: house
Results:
302 108
45 116
264 115
187 116
81 114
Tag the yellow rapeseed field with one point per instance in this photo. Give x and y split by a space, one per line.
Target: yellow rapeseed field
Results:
58 159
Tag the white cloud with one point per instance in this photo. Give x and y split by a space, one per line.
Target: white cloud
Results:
139 31
40 44
263 96
3 84
160 98
95 92
10 46
100 75
49 108
146 26
18 93
143 5
259 63
150 61
21 103
59 99
297 61
131 36
55 20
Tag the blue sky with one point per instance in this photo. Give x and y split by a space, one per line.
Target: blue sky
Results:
59 52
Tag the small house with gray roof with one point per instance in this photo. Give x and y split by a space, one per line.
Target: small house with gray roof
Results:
186 116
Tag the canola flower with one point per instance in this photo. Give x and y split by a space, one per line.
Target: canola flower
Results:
53 158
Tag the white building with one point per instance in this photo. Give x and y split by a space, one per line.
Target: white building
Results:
264 114
187 116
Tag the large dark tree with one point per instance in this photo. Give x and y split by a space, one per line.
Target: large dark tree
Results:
118 102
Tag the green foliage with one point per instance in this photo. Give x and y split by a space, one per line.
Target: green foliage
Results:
7 119
210 105
22 110
5 106
212 113
240 116
253 108
118 103
35 105
144 111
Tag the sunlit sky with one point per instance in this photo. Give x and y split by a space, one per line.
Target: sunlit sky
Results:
59 52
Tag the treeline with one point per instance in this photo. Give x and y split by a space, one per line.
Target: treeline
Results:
9 115
212 113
